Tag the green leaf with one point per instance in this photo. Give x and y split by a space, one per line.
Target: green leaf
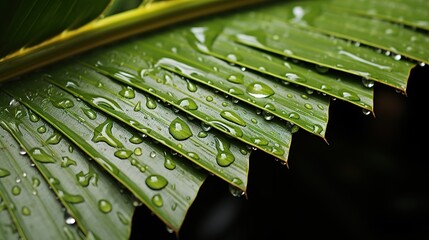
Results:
276 36
411 12
228 160
89 194
27 197
27 23
272 97
124 154
7 226
196 100
396 40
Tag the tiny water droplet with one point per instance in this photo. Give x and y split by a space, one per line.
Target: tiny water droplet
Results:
236 78
202 134
179 129
124 220
366 112
294 115
235 191
209 98
26 211
70 220
349 95
308 106
22 152
136 139
138 106
156 182
36 182
322 69
104 206
138 151
157 200
259 141
169 163
368 83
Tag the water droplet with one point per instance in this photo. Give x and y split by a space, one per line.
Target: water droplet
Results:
179 129
294 115
157 200
368 83
138 106
63 103
191 86
91 114
127 92
224 156
209 98
308 106
34 117
66 161
16 190
104 206
233 117
235 131
236 78
70 197
202 134
123 153
150 103
317 129
41 129
124 220
54 139
136 139
169 163
169 229
36 182
268 116
322 69
193 155
138 151
349 95
259 90
174 206
397 57
4 173
70 220
260 141
26 211
156 182
235 191
103 132
41 156
22 152
366 112
188 104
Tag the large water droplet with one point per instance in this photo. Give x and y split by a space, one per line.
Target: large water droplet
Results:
66 161
70 197
187 104
41 156
91 114
103 132
157 200
224 156
259 90
104 206
156 182
123 153
127 92
179 129
191 86
150 103
54 139
233 117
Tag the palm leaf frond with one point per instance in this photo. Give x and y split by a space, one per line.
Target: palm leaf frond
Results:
152 116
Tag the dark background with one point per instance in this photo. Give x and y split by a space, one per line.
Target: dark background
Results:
370 182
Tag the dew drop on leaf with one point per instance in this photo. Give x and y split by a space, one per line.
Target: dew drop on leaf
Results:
179 129
259 90
156 182
104 206
41 156
157 200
